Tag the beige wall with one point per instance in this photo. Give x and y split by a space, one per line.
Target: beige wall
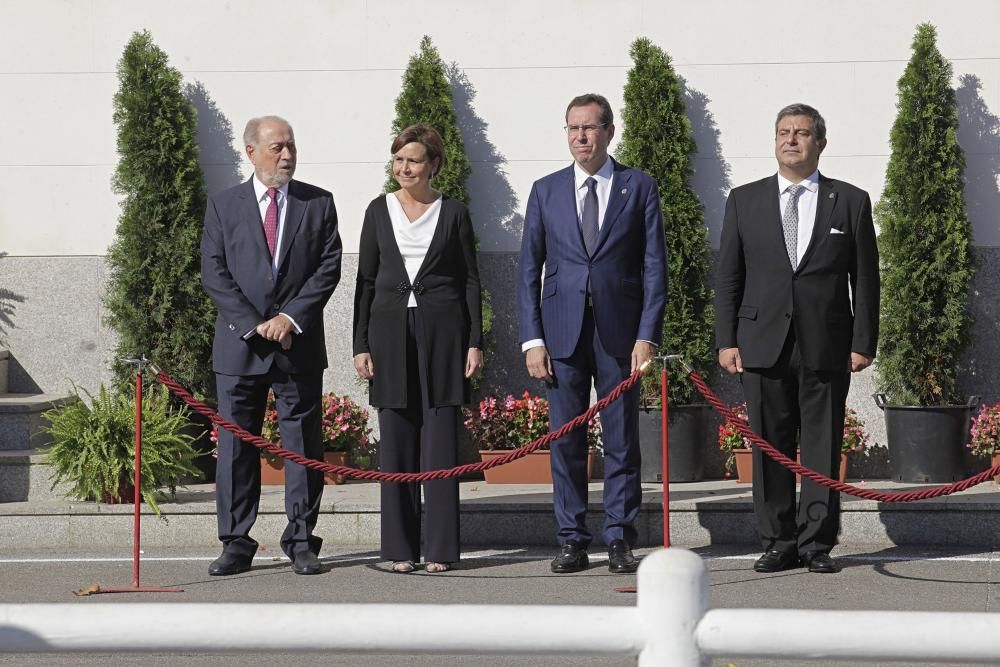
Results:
333 68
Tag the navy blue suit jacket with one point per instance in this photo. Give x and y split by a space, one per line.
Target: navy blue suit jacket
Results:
627 273
236 273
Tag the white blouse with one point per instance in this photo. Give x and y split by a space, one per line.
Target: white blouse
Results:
413 238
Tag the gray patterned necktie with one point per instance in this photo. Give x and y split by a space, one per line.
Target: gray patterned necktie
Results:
790 224
588 216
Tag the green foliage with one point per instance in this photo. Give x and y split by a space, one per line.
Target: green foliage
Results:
656 138
426 98
925 238
154 299
94 445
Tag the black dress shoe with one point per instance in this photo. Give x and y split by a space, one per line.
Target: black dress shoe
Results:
776 561
572 558
620 558
820 562
305 562
228 564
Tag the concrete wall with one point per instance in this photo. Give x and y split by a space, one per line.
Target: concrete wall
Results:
333 68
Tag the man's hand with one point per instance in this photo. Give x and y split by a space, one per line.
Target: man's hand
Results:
279 329
729 359
641 353
539 364
364 366
473 362
859 362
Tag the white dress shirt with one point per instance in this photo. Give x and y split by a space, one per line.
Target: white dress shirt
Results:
413 238
263 201
604 176
807 208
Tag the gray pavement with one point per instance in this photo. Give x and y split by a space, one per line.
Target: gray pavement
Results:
896 578
494 515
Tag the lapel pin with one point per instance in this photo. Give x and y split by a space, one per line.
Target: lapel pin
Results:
624 191
830 195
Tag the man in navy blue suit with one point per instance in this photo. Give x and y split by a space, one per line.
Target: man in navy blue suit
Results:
270 261
595 231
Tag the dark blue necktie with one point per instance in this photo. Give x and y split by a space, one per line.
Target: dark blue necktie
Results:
588 217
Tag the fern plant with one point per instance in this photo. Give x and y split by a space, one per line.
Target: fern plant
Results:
94 444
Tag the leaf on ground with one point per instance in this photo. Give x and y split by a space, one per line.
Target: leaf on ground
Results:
88 590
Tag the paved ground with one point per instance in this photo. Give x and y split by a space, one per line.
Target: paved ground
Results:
894 579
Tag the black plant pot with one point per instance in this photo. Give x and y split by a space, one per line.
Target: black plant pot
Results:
687 426
926 444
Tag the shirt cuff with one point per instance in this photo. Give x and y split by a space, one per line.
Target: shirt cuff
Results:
295 324
534 342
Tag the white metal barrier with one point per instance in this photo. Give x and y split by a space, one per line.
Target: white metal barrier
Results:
670 625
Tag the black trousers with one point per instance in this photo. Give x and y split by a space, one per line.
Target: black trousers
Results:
242 399
414 439
791 405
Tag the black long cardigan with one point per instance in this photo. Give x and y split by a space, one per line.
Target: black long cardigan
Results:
448 295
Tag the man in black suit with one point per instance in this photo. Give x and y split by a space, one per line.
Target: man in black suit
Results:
270 261
797 302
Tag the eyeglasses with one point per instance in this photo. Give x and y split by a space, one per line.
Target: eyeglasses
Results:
589 130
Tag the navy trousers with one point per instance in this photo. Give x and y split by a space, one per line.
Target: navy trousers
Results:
569 395
242 399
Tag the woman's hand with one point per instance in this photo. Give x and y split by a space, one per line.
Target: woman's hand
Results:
364 366
473 362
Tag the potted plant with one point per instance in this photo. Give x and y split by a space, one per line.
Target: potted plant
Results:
855 440
984 435
346 434
499 425
739 451
927 270
154 299
657 138
737 448
93 445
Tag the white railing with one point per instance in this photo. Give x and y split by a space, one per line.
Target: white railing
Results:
670 625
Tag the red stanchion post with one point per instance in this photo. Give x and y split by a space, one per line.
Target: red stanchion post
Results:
136 527
665 437
137 481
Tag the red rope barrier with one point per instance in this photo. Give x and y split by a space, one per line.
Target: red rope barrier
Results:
178 390
867 494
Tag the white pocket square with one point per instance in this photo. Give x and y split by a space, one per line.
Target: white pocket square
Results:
834 230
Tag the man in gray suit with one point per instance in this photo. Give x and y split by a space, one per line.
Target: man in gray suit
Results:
270 261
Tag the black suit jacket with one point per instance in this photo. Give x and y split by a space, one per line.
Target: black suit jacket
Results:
758 296
448 296
236 273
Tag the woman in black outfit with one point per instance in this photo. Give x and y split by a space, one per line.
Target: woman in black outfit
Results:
417 340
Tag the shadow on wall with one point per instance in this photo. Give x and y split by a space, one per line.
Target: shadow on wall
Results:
498 220
8 306
979 136
220 162
712 174
495 205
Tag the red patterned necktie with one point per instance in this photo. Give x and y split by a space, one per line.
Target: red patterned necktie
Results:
271 220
